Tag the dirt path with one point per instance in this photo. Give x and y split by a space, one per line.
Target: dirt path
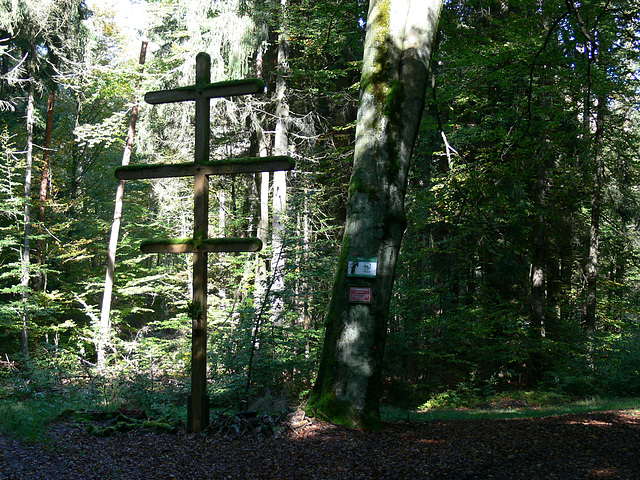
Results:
590 446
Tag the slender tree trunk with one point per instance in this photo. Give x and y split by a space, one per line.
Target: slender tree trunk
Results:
105 320
263 223
281 147
591 269
566 260
262 178
398 47
222 209
262 183
306 239
44 182
75 167
46 162
538 275
26 259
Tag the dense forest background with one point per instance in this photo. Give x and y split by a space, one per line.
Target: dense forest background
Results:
519 267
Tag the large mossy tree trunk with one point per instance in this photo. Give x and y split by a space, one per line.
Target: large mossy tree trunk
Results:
398 47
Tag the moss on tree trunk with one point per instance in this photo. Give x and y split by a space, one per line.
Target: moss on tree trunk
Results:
398 48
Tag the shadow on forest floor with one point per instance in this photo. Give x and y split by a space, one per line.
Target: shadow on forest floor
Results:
574 446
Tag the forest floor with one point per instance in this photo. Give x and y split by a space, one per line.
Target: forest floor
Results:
601 445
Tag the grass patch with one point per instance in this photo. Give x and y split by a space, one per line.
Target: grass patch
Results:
27 418
26 413
511 408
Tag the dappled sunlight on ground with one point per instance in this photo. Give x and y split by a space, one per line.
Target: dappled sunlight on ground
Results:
585 446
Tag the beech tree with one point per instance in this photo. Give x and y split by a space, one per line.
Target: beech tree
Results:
398 48
25 255
105 323
281 147
494 262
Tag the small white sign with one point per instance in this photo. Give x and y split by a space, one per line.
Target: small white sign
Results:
362 267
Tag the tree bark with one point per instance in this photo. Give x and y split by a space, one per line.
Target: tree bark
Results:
281 147
538 273
105 320
262 179
591 270
591 52
398 48
26 259
44 181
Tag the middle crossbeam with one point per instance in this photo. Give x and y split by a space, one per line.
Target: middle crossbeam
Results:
210 90
217 167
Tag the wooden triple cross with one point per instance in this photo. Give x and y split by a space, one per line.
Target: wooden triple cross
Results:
200 243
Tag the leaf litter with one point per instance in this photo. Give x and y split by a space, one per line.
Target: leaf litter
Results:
595 446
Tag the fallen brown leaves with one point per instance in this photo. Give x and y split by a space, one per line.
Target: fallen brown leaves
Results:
588 446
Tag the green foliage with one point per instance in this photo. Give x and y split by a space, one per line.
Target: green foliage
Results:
11 207
518 405
327 44
512 183
26 419
51 385
511 86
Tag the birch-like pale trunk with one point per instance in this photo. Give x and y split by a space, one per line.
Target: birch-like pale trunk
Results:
263 177
538 269
263 222
25 261
105 315
281 147
398 48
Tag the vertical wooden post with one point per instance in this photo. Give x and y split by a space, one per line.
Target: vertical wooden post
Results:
198 417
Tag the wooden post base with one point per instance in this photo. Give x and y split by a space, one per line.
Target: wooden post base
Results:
199 422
